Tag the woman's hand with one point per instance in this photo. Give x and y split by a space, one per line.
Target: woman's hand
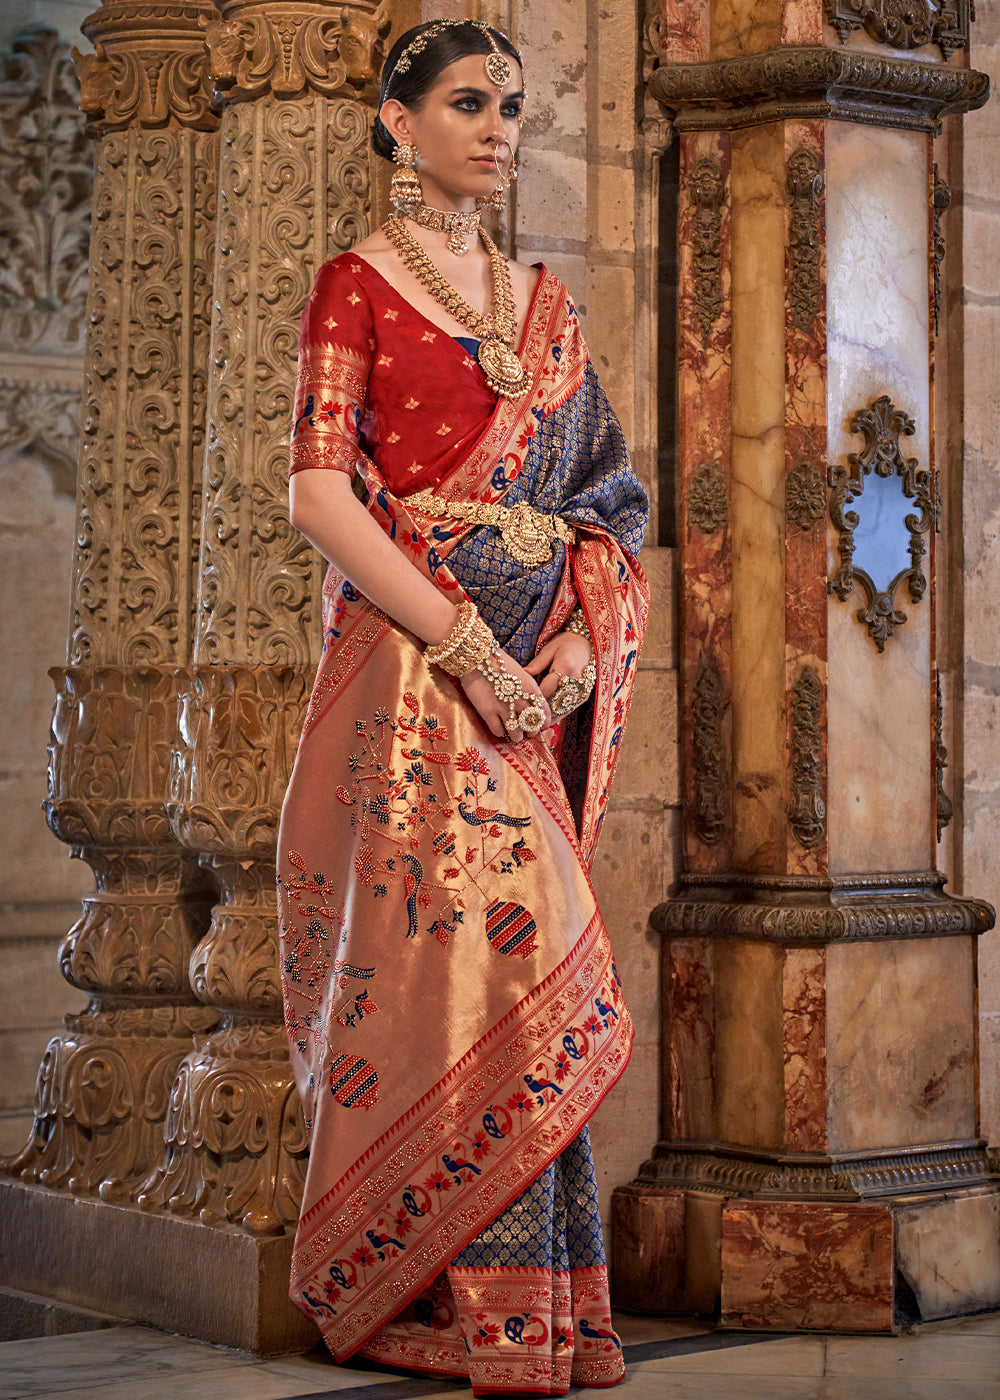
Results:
493 712
566 654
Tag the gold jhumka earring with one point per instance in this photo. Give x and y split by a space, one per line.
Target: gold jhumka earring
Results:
405 193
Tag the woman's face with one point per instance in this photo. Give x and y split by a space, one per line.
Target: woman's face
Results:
462 123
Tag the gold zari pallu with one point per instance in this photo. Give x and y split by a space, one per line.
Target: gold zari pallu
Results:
528 534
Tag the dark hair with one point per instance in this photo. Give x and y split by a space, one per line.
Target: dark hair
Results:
411 87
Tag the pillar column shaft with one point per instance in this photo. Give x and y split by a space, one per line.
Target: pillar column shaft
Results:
103 1086
820 1115
296 82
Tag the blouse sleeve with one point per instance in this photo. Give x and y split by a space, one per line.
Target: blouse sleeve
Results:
335 358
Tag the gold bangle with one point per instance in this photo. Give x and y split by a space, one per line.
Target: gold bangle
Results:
466 646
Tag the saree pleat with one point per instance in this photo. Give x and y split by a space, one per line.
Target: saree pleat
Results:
453 1007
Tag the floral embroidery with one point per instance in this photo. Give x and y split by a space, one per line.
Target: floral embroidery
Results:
429 831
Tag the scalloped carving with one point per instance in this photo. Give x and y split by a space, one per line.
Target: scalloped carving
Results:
707 195
815 81
708 807
805 496
806 810
273 48
707 504
804 183
904 24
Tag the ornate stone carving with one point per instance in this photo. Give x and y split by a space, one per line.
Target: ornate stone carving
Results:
707 504
707 194
283 49
144 397
883 424
708 806
904 24
258 636
46 177
812 81
149 66
103 1085
806 810
804 182
239 730
942 200
799 910
943 807
805 496
259 584
772 1175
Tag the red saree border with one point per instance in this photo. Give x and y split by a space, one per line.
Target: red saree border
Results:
616 617
533 1330
574 1021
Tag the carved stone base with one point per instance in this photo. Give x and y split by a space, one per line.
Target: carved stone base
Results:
220 1285
862 1265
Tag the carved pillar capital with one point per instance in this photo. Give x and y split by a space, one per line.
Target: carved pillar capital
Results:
810 81
289 47
150 65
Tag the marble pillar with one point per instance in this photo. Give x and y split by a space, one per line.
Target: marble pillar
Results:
820 1117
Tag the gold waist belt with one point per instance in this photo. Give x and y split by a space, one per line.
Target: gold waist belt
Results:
528 534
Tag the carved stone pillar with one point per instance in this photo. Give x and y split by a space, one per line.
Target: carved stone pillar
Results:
296 82
821 1163
103 1085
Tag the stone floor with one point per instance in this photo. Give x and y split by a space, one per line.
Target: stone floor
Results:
668 1360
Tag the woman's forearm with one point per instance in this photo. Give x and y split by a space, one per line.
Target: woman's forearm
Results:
325 509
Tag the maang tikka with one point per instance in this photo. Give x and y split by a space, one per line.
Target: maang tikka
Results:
405 193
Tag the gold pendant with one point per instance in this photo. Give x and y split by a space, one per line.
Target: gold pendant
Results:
457 244
504 371
525 536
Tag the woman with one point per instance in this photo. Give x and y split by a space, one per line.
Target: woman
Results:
452 1003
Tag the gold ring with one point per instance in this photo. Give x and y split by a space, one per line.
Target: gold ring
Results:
532 718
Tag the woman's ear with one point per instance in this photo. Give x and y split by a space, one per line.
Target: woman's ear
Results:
395 119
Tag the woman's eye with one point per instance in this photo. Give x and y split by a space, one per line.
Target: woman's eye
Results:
511 109
468 104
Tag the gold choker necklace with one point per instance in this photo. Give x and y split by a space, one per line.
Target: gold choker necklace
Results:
457 226
503 370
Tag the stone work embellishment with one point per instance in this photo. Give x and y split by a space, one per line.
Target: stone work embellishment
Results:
707 195
898 512
806 810
709 805
707 505
942 199
46 181
904 24
805 496
334 54
804 183
943 806
816 82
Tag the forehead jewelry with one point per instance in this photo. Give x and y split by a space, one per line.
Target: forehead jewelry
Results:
496 64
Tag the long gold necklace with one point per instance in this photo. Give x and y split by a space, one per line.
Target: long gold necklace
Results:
503 370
